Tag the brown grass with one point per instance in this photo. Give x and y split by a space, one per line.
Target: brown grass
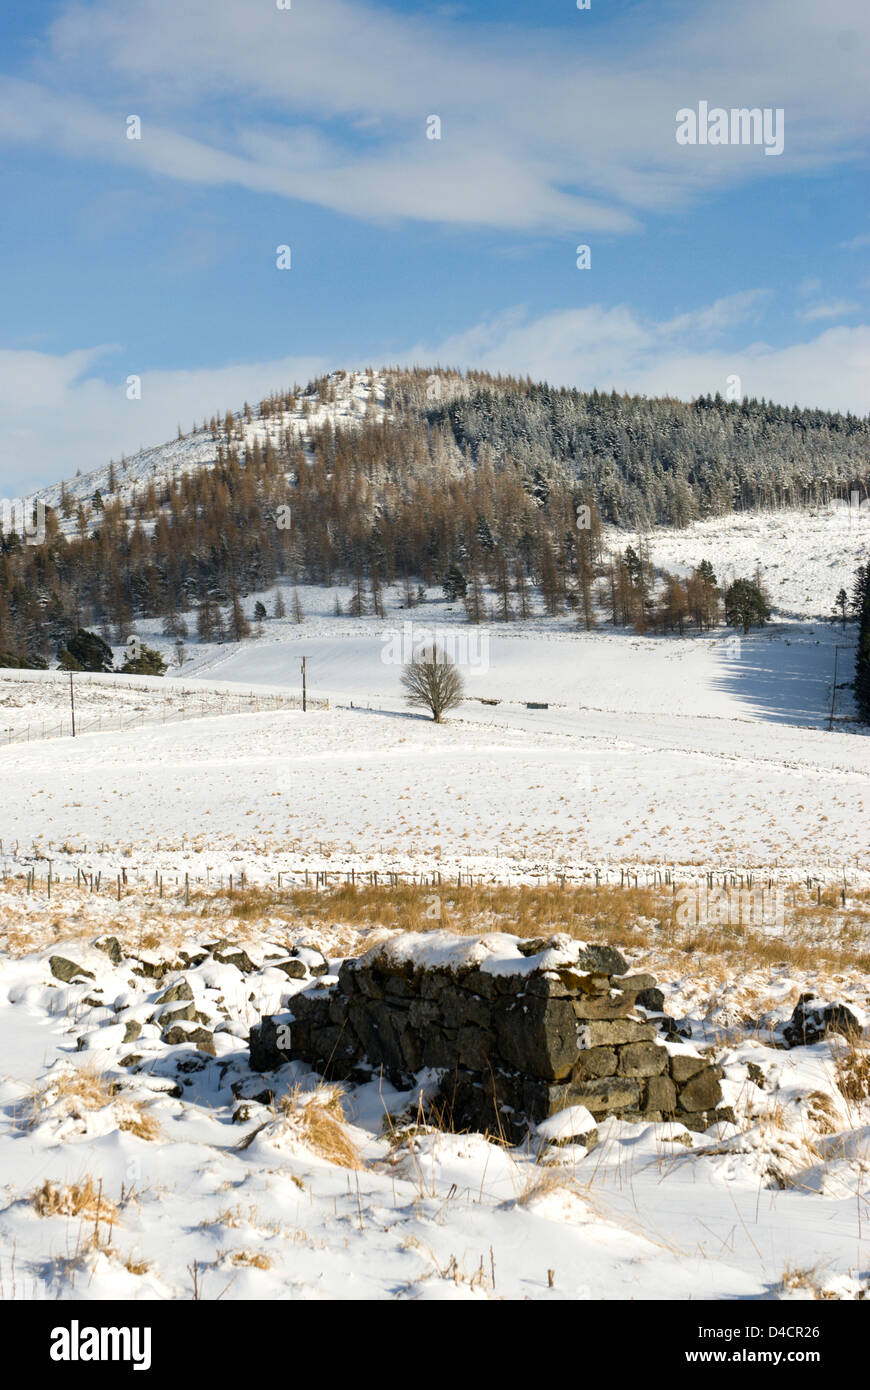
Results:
319 1119
818 933
852 1071
90 1090
135 1118
73 1199
253 1259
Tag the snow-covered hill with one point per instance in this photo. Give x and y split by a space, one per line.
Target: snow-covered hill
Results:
356 393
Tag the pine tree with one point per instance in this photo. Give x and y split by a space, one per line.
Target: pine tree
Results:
279 607
237 624
841 604
862 662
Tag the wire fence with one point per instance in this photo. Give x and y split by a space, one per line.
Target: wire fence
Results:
193 705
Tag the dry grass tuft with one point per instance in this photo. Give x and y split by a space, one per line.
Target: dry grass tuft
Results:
83 1199
135 1118
317 1118
83 1085
852 1070
253 1259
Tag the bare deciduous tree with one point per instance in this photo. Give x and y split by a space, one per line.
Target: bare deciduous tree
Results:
432 682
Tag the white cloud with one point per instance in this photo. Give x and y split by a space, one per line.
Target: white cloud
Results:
57 415
829 309
554 130
616 349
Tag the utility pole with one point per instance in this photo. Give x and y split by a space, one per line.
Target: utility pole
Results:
304 694
72 704
837 651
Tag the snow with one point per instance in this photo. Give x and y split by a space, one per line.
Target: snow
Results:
263 1213
704 753
497 953
571 1123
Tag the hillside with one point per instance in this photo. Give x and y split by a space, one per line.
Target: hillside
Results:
521 495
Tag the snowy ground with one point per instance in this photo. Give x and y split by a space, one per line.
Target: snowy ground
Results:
689 754
707 751
127 1162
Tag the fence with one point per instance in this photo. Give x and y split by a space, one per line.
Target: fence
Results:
200 706
141 878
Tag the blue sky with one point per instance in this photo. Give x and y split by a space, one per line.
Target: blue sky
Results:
307 127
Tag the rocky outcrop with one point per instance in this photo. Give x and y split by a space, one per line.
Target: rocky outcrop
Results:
813 1019
520 1030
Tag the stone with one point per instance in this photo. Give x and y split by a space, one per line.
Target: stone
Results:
67 970
440 1049
603 958
643 1059
475 1047
615 1034
151 968
132 1029
651 998
180 990
595 1061
111 946
607 1093
480 983
660 1094
533 946
603 1006
249 1110
182 1012
634 984
395 987
701 1092
228 954
193 958
684 1064
339 1009
314 960
200 1037
368 985
813 1020
459 1008
574 1125
539 1036
293 969
423 1014
263 1041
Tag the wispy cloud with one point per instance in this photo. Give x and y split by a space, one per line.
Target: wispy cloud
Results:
327 102
62 413
617 349
830 309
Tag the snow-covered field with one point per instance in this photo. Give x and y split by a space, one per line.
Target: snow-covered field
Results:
144 1179
710 751
132 1167
166 1176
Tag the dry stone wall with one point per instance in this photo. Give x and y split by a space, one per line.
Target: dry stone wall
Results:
518 1029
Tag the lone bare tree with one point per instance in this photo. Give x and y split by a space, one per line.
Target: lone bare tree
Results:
433 683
